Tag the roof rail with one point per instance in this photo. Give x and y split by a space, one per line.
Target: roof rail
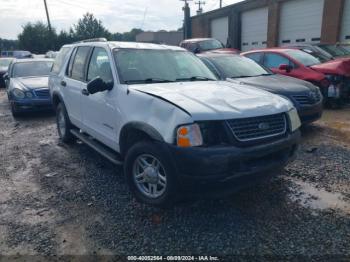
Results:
101 39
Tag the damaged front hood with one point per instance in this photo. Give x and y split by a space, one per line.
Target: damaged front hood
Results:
217 100
336 67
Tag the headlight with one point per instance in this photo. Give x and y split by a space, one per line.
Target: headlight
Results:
189 136
294 119
29 95
18 93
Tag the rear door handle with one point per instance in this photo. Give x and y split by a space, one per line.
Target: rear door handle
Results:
63 83
85 92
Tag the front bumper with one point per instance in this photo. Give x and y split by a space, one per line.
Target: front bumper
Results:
32 105
233 166
309 114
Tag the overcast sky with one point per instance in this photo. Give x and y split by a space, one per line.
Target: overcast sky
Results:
116 15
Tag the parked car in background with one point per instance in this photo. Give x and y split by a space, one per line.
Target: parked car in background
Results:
4 65
27 87
245 72
329 76
19 54
51 54
202 45
160 111
324 52
346 46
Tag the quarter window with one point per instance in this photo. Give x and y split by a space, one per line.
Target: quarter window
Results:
100 66
60 60
78 66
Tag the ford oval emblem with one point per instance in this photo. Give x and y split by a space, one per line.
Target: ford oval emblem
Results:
264 126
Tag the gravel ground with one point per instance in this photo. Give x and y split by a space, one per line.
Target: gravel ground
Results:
67 200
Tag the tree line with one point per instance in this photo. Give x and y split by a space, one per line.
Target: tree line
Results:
37 38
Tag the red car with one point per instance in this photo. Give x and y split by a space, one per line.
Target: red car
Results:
204 45
332 77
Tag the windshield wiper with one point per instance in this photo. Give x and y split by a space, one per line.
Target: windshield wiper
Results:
149 81
196 78
267 74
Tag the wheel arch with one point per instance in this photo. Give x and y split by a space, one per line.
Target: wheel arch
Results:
134 132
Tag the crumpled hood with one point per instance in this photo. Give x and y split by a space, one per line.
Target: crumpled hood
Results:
34 82
217 100
277 84
337 66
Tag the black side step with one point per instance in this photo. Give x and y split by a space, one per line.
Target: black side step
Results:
97 146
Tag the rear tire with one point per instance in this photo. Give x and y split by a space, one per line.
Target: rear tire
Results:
158 170
64 126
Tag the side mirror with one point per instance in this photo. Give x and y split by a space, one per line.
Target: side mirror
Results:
98 85
197 51
6 76
285 67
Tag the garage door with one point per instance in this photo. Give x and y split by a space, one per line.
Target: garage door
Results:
345 29
301 21
254 29
219 29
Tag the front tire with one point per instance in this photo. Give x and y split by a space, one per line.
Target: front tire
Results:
64 125
151 174
14 111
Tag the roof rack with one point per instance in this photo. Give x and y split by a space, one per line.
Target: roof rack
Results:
101 39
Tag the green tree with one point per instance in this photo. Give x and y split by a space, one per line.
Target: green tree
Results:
89 27
36 38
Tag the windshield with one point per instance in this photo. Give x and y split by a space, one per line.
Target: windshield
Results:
238 66
5 62
39 68
304 58
137 66
211 44
335 50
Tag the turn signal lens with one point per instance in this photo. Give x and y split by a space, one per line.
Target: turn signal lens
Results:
189 136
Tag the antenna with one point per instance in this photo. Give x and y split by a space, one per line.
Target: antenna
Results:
200 9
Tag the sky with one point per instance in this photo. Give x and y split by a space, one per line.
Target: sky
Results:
116 15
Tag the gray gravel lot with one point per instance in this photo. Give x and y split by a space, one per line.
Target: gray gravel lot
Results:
67 200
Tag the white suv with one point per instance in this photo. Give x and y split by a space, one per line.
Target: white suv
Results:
162 113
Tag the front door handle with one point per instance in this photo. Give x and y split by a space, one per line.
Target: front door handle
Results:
63 83
85 92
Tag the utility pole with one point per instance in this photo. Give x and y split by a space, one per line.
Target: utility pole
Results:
220 3
200 9
187 20
47 16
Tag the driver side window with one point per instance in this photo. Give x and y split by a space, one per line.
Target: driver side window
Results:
99 66
275 60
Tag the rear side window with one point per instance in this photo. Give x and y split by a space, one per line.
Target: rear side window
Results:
59 61
255 56
275 60
79 63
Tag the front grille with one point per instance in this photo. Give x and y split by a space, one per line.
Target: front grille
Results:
42 93
256 128
307 100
